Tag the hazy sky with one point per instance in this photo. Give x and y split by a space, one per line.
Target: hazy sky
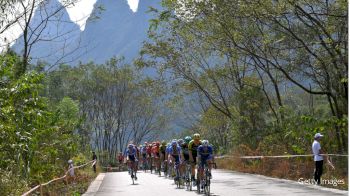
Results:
78 13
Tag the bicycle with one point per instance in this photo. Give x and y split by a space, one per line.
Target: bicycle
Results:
205 181
164 167
144 164
132 171
188 176
151 163
170 169
158 163
177 178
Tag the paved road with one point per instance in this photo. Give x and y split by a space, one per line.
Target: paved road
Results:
223 183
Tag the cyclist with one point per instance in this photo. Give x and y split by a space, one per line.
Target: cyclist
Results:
144 154
156 155
175 154
149 154
192 149
168 164
205 156
180 142
131 158
162 150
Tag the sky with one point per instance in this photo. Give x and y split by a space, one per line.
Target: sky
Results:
78 13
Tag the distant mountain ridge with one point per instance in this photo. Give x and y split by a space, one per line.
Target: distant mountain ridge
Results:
117 31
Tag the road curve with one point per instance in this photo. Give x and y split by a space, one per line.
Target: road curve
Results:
224 183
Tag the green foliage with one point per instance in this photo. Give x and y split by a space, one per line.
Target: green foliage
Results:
266 74
36 141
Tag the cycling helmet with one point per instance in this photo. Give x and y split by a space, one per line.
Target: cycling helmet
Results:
174 142
196 136
180 141
163 142
205 143
157 143
130 146
187 139
70 161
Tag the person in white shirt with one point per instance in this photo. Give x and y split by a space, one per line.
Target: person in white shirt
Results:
316 149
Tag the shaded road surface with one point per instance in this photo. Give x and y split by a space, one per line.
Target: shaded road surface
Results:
223 183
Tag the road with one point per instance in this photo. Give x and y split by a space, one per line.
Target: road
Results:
224 183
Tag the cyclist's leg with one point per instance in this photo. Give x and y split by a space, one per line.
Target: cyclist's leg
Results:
200 169
177 166
193 167
135 168
209 163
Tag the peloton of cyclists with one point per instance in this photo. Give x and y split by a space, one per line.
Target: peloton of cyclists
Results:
190 150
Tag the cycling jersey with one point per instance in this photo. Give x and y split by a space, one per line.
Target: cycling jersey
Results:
193 146
144 150
162 149
185 151
131 154
205 153
155 151
175 152
149 149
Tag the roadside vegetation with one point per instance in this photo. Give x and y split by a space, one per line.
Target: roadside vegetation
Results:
258 78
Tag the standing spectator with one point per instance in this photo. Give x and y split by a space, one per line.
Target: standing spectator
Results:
71 170
94 158
318 158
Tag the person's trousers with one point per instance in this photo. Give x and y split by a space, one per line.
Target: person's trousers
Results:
318 171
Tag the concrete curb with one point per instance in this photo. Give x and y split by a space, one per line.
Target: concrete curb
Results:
95 185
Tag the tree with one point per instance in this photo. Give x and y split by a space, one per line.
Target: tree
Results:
219 45
36 20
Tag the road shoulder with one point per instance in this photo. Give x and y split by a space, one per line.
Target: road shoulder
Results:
95 185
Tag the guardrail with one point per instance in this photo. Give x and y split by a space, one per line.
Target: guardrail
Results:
40 186
329 161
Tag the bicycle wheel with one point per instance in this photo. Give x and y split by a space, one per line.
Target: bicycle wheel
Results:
198 186
207 183
188 177
132 176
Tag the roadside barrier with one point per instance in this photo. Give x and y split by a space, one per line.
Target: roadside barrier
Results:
276 156
284 156
40 186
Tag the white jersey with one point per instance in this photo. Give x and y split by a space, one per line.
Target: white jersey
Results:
316 147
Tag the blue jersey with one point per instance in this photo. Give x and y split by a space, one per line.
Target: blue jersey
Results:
205 151
175 151
130 153
143 150
167 148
